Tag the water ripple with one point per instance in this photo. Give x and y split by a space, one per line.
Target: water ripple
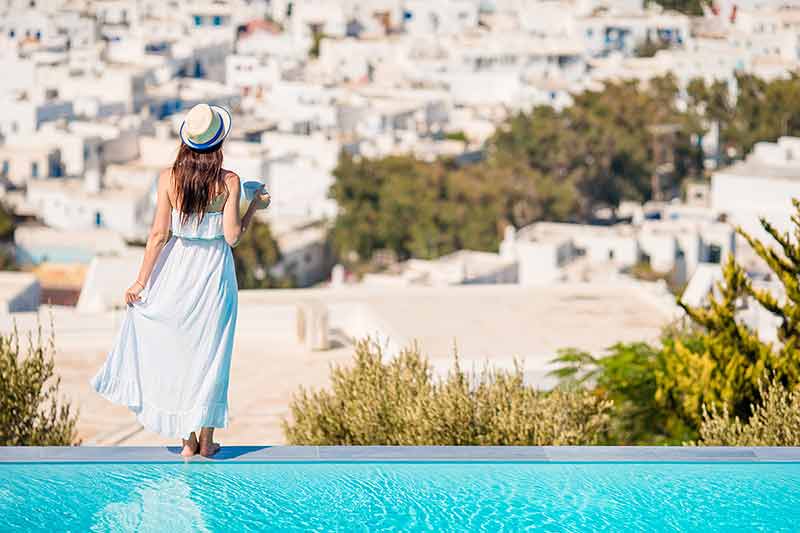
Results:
399 497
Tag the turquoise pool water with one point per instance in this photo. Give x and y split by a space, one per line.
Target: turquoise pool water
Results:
400 497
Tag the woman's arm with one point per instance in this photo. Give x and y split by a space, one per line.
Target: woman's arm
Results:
233 224
158 237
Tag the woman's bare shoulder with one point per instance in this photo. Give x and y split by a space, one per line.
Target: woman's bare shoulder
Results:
230 178
165 176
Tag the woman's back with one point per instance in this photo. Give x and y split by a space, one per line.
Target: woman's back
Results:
209 226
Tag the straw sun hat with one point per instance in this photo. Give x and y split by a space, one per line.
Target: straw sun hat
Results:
205 127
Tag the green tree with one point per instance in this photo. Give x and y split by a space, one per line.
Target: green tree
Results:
413 208
727 371
730 361
398 402
7 227
7 223
30 411
687 7
764 111
254 256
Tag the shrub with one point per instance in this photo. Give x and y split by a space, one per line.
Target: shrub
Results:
399 402
627 375
773 422
30 414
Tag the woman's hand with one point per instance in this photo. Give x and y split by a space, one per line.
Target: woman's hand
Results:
262 198
132 294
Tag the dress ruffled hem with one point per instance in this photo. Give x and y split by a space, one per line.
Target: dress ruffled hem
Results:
166 423
181 425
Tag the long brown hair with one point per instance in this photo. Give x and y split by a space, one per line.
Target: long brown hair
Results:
195 175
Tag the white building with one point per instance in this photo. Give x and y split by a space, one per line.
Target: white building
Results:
763 185
465 267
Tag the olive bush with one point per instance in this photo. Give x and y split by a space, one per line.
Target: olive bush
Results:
773 422
399 402
30 413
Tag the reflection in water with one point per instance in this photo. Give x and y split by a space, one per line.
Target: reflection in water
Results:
161 505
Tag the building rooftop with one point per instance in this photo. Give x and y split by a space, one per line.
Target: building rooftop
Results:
13 283
557 231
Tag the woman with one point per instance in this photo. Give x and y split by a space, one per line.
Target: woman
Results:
171 359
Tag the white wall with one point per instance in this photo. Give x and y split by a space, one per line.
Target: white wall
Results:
745 198
539 263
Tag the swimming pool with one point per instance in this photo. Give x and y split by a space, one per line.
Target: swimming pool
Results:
305 491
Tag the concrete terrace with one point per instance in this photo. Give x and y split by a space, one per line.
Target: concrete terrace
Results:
493 324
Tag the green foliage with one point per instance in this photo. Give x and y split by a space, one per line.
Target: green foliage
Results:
627 376
763 110
664 394
316 39
411 208
398 402
30 413
7 227
727 372
773 422
7 223
688 7
730 361
456 136
253 257
649 48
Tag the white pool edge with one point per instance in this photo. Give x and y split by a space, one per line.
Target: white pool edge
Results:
273 454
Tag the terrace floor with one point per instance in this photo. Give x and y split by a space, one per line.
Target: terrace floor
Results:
488 324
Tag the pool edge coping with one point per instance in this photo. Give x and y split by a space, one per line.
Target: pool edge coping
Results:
403 454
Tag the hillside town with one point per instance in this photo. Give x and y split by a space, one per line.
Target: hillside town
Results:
94 93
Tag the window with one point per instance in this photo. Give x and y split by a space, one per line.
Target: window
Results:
714 254
217 20
35 169
198 20
5 168
11 33
98 218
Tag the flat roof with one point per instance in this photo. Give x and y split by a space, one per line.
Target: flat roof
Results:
499 322
758 169
402 454
13 283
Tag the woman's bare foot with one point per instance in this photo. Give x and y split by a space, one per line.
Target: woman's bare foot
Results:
207 446
190 446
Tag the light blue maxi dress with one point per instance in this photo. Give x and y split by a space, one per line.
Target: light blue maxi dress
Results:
170 362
